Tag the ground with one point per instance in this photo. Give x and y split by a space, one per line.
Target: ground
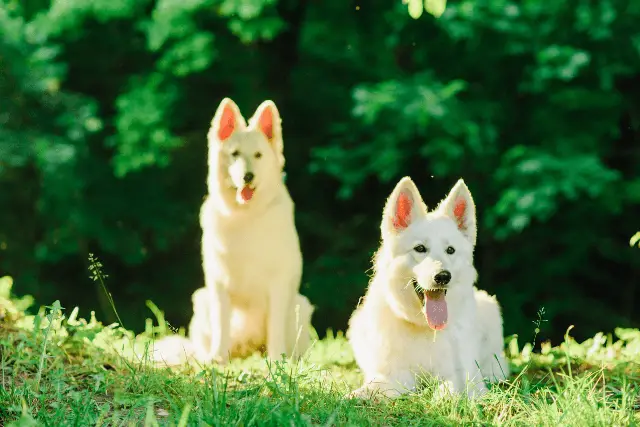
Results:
58 369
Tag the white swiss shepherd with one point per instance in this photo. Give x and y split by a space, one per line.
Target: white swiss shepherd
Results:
250 248
422 313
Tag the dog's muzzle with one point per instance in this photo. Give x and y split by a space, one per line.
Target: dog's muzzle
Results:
432 292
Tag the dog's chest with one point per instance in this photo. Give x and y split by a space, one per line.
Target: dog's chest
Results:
449 355
251 256
439 353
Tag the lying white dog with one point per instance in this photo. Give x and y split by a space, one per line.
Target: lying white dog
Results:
422 313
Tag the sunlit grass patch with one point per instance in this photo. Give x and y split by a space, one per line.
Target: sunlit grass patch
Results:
58 368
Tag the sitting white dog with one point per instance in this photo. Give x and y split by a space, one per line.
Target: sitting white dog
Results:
250 249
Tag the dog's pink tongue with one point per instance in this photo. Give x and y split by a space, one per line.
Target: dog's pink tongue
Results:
246 193
435 309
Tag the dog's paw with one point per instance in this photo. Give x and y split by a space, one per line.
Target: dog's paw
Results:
445 389
476 391
373 393
363 393
207 359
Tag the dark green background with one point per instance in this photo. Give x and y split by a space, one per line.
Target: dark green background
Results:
105 104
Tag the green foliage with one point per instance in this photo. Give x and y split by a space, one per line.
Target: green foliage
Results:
434 7
543 179
532 123
106 104
144 139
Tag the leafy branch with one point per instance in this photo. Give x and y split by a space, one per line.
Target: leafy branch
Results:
433 7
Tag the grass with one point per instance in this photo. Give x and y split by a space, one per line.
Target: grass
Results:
57 369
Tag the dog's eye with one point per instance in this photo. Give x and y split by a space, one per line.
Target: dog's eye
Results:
450 250
420 249
258 155
236 153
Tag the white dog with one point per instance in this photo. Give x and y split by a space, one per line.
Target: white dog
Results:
250 248
422 313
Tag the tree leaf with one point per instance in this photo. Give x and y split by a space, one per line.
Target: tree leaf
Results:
435 7
415 8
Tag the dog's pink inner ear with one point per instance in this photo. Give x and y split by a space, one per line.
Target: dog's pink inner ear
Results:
227 123
403 212
265 123
459 210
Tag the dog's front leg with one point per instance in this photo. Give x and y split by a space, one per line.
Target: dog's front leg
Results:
280 304
464 377
200 324
209 329
221 325
476 386
473 380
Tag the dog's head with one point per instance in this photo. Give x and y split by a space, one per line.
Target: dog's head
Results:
431 253
245 159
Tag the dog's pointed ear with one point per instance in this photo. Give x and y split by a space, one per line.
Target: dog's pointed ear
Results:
267 120
404 206
459 206
226 121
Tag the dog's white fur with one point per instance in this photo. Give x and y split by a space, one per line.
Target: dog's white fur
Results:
391 340
250 249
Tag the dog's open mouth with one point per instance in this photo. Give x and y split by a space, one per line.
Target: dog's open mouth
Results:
434 305
245 194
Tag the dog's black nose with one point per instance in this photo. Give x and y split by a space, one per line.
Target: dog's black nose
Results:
442 278
248 177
